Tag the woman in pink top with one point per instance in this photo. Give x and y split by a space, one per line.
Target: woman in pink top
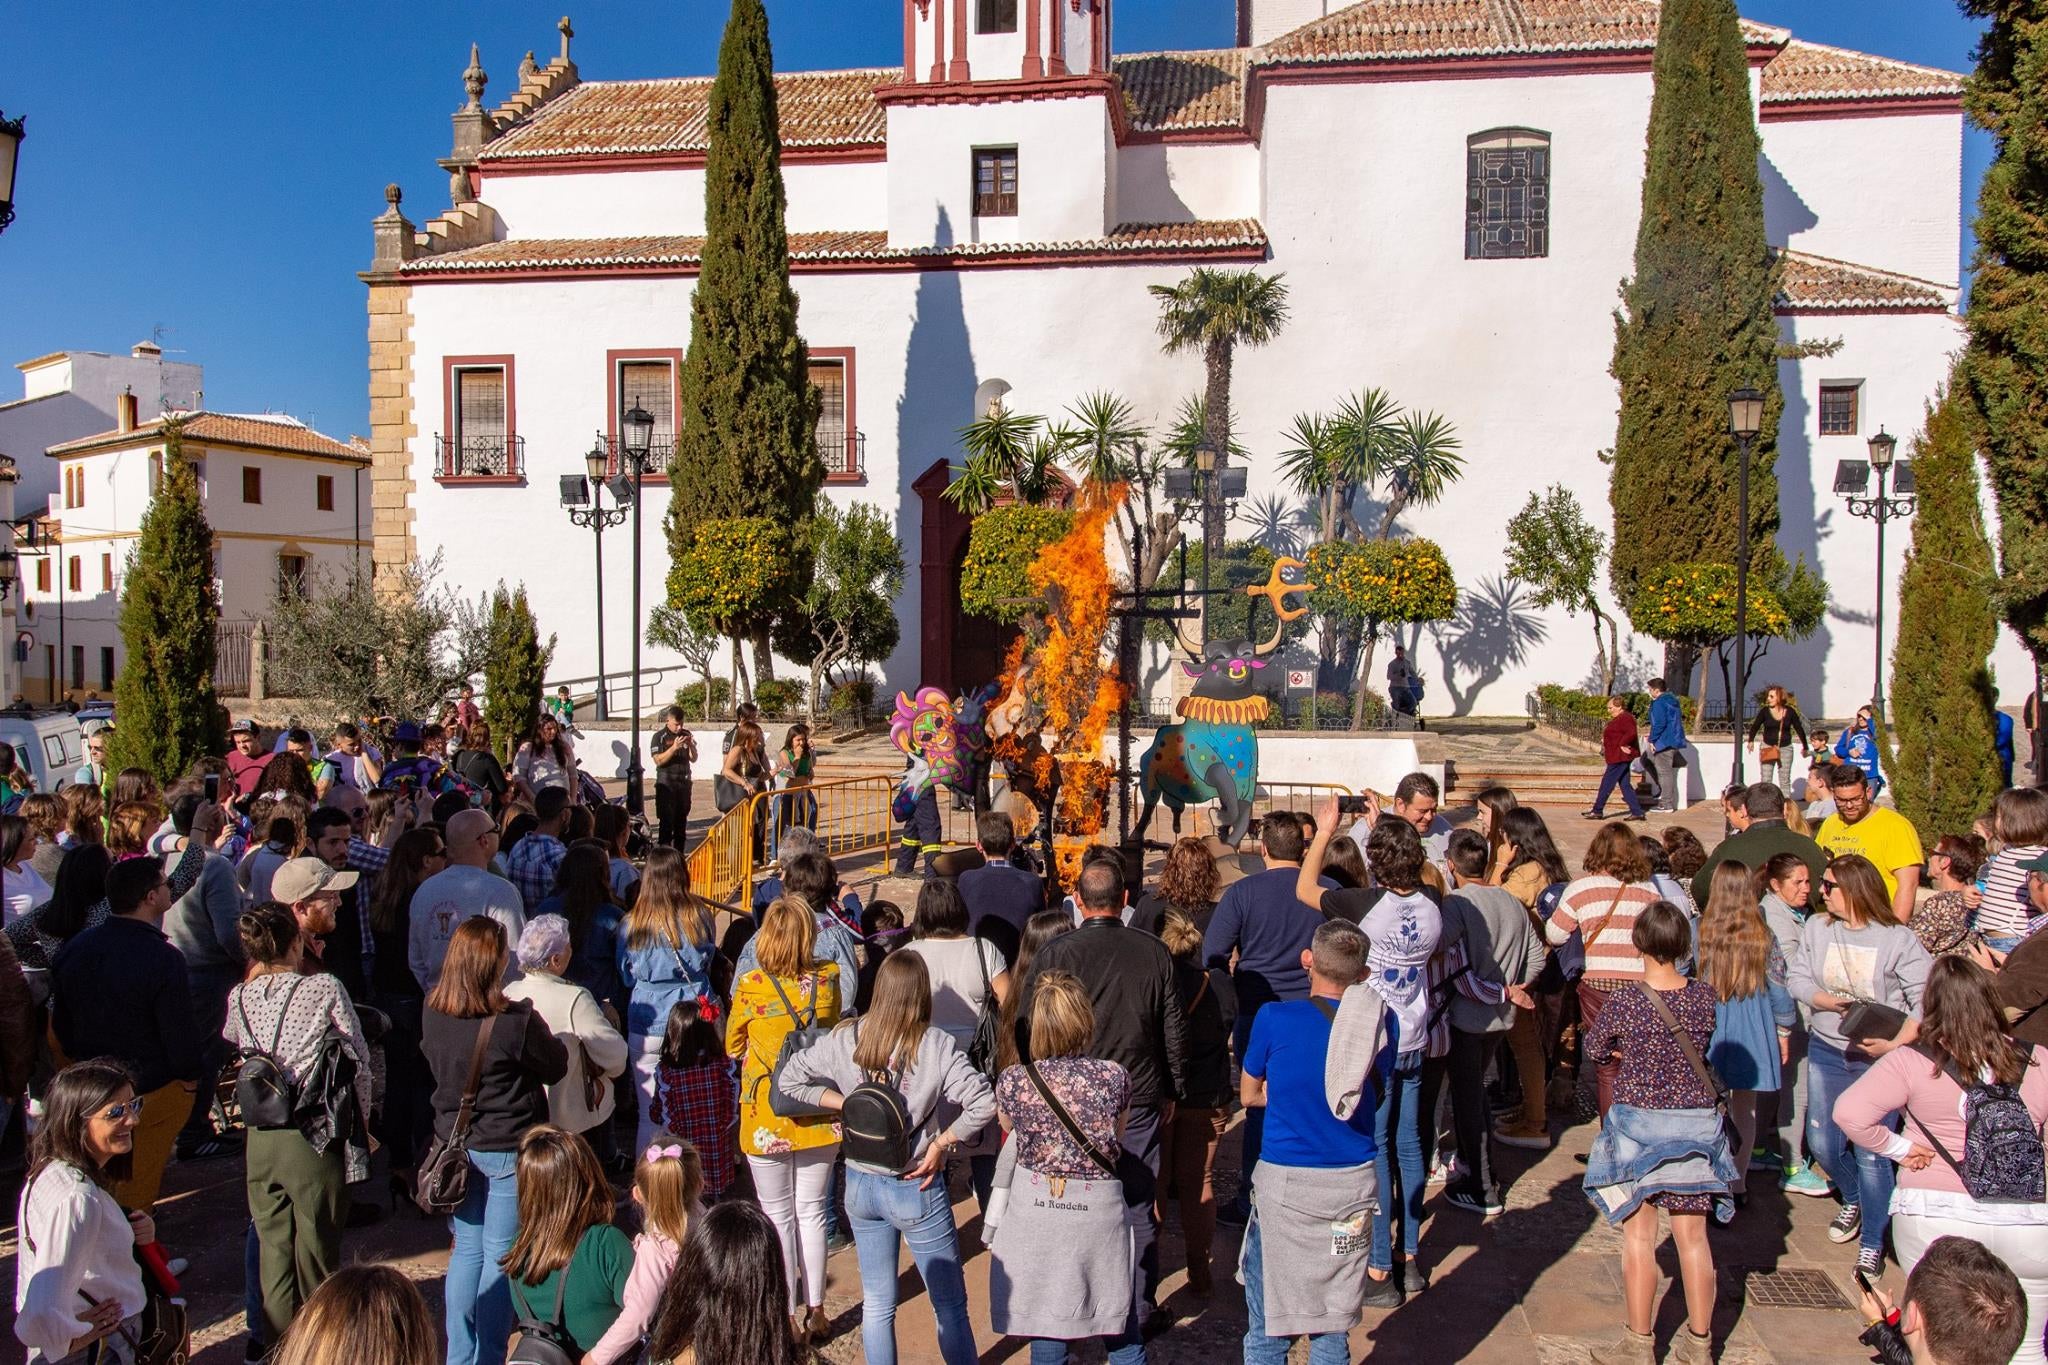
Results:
1962 1030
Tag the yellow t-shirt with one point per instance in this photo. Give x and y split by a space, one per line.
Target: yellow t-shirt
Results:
1884 836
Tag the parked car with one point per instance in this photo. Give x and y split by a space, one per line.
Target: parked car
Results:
49 743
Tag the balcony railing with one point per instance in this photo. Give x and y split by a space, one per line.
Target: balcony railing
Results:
661 453
845 453
480 457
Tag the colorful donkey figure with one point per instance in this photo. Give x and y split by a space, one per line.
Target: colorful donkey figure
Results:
1213 753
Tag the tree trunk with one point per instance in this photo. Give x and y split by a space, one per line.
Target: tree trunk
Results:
1613 653
708 688
1395 507
764 656
1372 639
1699 691
1216 432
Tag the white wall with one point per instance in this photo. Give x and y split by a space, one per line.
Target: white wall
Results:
827 197
1062 175
1271 18
1166 182
75 397
1877 191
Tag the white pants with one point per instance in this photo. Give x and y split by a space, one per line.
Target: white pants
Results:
793 1188
2023 1248
643 1053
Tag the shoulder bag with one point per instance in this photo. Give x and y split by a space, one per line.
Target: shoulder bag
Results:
1135 1176
443 1177
803 1032
1571 955
1708 1076
982 1049
1865 1020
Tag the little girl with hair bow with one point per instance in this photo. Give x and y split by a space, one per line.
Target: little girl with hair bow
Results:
668 1185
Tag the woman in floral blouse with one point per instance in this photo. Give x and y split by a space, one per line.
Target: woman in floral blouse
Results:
1942 920
791 1159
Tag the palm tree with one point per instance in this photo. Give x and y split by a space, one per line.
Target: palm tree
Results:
1214 311
1419 461
1105 438
1007 452
1365 429
1310 465
1190 429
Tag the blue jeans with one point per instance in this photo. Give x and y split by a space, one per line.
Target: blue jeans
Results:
1397 1129
1864 1178
1616 775
2003 943
1324 1348
1128 1348
479 1302
884 1211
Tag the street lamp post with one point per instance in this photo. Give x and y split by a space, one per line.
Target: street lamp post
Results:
12 130
1745 420
636 435
1851 478
576 491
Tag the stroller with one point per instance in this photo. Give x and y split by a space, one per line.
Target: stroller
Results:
590 792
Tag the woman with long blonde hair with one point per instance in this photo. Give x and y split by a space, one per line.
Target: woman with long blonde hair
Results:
665 956
1739 958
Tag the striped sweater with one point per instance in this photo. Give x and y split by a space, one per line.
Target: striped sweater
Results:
1587 902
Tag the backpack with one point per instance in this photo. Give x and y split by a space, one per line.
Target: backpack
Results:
263 1092
875 1125
542 1342
804 1031
2002 1145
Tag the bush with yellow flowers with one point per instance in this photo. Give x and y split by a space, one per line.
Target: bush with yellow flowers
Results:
995 578
1694 604
1382 582
733 574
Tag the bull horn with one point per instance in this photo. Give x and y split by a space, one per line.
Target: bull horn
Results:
1272 642
1193 647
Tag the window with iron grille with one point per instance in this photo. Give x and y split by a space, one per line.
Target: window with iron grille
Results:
833 448
1507 194
480 420
652 385
995 182
323 493
291 575
1838 409
995 16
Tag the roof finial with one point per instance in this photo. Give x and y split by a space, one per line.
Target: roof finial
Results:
474 79
567 33
528 67
392 195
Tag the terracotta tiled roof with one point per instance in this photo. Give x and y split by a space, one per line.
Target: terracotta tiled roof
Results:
1822 284
822 248
1809 71
1397 29
258 432
1176 90
817 108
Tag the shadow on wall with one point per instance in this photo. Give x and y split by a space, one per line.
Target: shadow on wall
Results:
1785 213
1494 630
937 400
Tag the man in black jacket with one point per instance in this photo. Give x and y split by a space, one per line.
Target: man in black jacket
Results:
1000 897
1139 1023
120 991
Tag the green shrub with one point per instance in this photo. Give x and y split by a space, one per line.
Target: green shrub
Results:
778 698
1570 701
855 700
691 698
995 576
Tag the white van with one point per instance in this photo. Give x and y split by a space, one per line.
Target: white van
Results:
49 744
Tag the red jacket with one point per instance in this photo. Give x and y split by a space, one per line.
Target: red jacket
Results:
1618 743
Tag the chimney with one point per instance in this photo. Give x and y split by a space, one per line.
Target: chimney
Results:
124 411
146 350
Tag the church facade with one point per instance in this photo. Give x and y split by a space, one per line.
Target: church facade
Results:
1451 189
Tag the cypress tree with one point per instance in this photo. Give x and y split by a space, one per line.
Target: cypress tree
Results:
2006 365
169 714
747 432
1696 320
515 669
1943 703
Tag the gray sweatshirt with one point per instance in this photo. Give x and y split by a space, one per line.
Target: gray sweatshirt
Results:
940 1087
1880 963
204 923
1784 922
1503 947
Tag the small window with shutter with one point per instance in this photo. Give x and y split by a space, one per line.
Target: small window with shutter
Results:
995 182
252 484
323 493
651 385
480 426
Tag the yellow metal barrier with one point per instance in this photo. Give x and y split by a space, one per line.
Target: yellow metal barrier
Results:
1199 821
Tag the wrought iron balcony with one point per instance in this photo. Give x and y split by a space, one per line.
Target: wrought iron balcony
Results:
844 452
480 457
661 453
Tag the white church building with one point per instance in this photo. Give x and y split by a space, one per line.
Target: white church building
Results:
1451 189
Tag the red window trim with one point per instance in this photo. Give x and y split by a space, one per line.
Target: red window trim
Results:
449 365
612 360
845 355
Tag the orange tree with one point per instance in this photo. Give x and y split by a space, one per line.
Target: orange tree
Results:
1380 583
732 576
1694 605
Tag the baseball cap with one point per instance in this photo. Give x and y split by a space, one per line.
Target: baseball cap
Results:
244 726
2035 864
304 878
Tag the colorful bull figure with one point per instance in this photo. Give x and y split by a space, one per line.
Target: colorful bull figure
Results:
1213 753
945 740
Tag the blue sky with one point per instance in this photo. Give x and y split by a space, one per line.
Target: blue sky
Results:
212 168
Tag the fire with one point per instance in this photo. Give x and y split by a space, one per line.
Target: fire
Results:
1068 678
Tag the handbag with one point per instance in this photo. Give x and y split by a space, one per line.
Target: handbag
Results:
594 1083
726 793
802 1035
1768 755
982 1049
542 1342
1708 1076
443 1177
1136 1177
1867 1020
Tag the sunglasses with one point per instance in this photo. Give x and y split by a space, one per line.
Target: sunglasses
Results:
1829 884
114 1113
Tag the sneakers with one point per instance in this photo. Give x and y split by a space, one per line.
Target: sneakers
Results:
1633 1349
1805 1178
1442 1170
1382 1293
1761 1159
1473 1200
1870 1260
1414 1279
1528 1139
206 1149
1847 1224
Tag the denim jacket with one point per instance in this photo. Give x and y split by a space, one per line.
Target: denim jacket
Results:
1641 1152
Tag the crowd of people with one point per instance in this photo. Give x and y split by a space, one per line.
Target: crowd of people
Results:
480 987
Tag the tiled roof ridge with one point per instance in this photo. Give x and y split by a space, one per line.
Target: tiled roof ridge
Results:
1784 79
884 72
1396 30
203 425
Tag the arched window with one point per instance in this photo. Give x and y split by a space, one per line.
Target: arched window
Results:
1507 194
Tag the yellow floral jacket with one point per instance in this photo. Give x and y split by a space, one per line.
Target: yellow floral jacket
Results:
754 1034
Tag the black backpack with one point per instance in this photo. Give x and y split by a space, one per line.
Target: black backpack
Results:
2003 1160
538 1342
875 1124
263 1092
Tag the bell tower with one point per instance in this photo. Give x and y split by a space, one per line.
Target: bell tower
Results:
951 42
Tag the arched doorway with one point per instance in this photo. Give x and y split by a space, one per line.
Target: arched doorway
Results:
955 650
